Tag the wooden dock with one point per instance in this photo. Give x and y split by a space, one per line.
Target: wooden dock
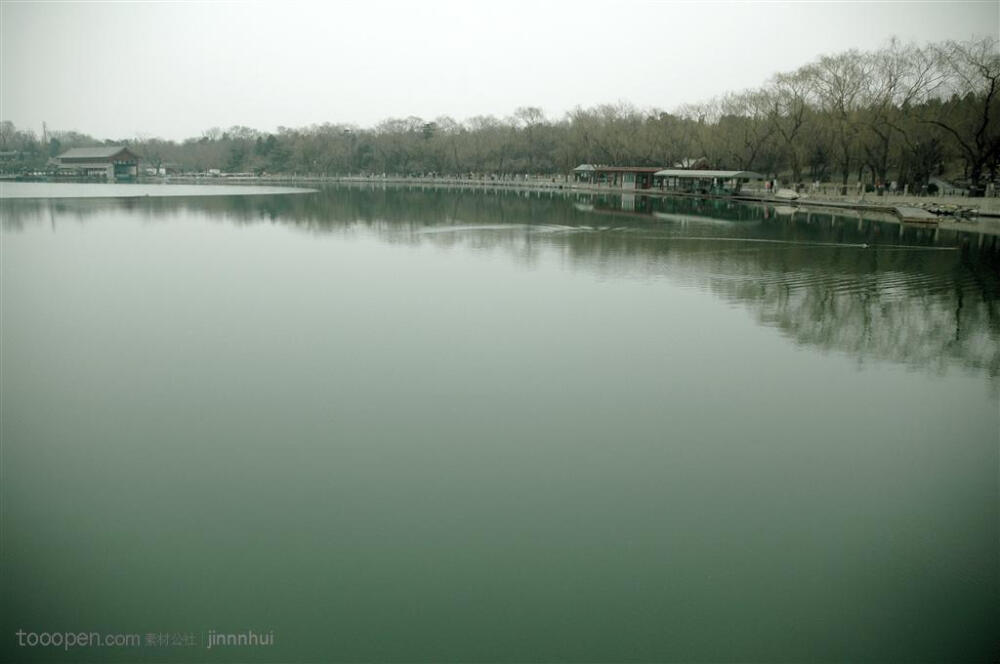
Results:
915 215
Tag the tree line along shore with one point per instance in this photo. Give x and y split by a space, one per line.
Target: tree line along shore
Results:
916 116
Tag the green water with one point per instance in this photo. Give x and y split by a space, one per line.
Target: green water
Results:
417 425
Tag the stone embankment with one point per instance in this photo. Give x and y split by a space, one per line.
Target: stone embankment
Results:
825 195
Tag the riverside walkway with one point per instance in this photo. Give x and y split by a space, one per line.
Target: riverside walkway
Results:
984 217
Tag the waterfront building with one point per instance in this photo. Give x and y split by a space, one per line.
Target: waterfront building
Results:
621 177
703 181
114 162
682 180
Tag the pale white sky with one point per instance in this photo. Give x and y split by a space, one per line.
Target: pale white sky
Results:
169 69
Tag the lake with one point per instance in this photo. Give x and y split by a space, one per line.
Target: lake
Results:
416 424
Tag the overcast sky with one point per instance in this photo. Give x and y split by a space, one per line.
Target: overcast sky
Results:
120 70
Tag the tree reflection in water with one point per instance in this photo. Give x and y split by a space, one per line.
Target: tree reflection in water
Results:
840 282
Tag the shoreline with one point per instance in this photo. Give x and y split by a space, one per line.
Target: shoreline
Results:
984 206
983 214
978 215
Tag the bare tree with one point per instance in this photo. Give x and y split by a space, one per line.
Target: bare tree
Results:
970 116
788 113
745 128
529 118
839 83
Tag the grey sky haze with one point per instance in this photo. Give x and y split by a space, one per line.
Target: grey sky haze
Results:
118 70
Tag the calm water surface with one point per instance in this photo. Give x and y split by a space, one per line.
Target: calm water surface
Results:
408 425
13 189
